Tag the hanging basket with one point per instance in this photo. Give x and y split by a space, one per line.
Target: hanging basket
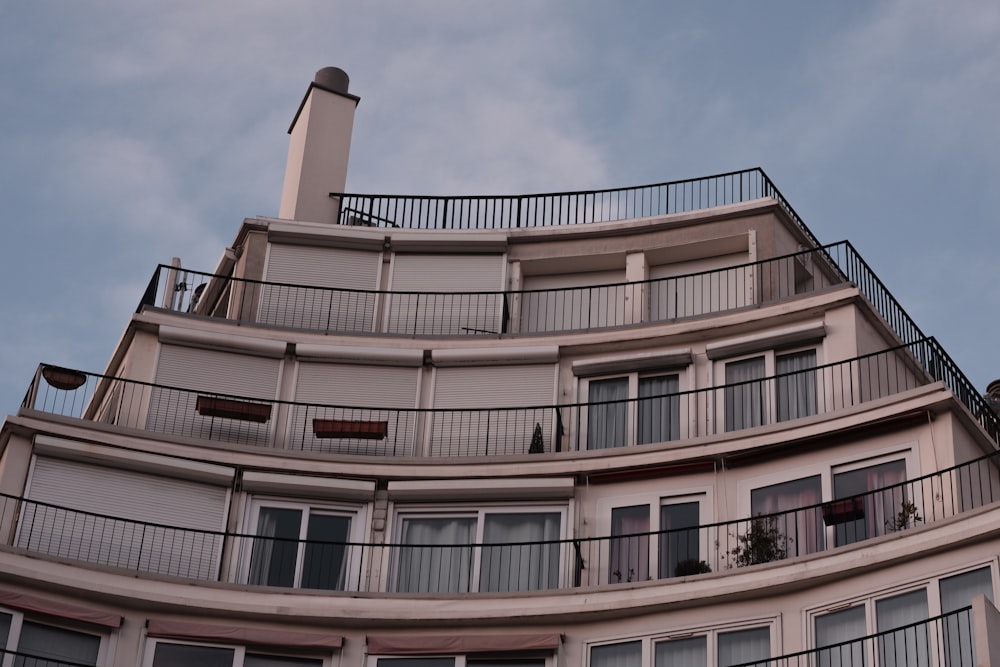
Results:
63 378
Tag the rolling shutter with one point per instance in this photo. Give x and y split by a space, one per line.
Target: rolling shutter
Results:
117 500
446 295
593 304
375 390
489 429
684 289
197 372
324 289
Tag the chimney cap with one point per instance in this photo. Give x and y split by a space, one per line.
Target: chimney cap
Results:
333 79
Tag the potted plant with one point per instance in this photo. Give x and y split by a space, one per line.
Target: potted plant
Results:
907 517
761 543
691 566
537 445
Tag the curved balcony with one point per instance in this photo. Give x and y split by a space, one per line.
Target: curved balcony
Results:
500 313
475 432
416 566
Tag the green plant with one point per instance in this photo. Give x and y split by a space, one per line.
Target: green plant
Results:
691 566
907 517
761 543
537 445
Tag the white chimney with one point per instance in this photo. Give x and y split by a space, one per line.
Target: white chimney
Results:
319 148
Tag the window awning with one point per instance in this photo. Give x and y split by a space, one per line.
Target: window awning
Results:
459 644
70 612
234 634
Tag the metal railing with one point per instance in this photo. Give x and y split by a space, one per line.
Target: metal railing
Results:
942 641
496 313
660 416
414 566
21 659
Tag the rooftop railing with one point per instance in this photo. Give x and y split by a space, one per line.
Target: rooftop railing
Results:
430 560
496 313
660 413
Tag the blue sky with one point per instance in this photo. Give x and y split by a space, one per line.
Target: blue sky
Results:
133 132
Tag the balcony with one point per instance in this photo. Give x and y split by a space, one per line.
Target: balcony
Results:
414 566
497 314
473 432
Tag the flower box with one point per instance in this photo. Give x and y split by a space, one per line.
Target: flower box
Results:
228 408
347 428
842 511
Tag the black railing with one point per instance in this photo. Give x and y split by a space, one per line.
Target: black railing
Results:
655 416
498 313
414 566
945 640
32 660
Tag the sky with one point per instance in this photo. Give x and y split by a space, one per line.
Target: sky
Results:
135 131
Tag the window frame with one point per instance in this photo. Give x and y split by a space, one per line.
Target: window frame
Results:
632 405
402 511
357 513
239 652
462 659
105 648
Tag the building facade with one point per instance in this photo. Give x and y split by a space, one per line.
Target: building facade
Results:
651 426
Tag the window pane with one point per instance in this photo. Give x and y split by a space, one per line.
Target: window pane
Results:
253 660
745 400
627 654
906 646
519 562
838 630
44 641
659 409
325 558
881 510
796 385
957 593
795 531
606 420
276 547
517 662
680 552
416 662
629 554
736 648
4 629
182 655
433 559
692 652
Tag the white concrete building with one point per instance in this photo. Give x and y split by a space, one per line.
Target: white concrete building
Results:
650 426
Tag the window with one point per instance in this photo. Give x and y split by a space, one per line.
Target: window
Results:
460 661
299 546
882 500
171 654
31 642
722 647
497 550
674 532
633 409
794 532
769 387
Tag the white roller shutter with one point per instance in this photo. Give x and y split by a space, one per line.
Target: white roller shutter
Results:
373 390
198 372
325 289
684 289
588 306
489 429
437 299
104 508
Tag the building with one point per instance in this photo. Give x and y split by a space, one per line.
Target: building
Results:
660 425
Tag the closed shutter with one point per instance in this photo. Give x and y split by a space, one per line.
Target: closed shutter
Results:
117 501
489 429
698 287
446 295
196 372
574 302
373 390
325 289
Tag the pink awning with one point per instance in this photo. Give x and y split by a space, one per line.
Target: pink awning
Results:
235 634
457 644
71 612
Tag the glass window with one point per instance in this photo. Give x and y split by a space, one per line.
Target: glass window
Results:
633 410
659 409
625 654
300 547
257 660
838 630
606 414
881 502
629 544
680 550
744 394
184 655
795 384
904 644
57 644
688 652
416 662
794 531
523 554
5 620
434 559
744 646
957 593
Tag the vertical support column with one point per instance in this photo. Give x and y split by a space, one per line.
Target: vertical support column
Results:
636 296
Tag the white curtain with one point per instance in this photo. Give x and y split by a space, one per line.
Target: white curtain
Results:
745 404
520 561
626 654
692 652
606 421
796 393
905 647
629 550
435 558
838 627
659 409
742 646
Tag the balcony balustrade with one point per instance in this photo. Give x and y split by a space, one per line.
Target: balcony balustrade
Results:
479 432
20 659
416 567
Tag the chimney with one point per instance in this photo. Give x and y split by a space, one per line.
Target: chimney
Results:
318 150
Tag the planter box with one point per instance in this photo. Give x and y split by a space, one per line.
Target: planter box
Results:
228 408
842 511
346 428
